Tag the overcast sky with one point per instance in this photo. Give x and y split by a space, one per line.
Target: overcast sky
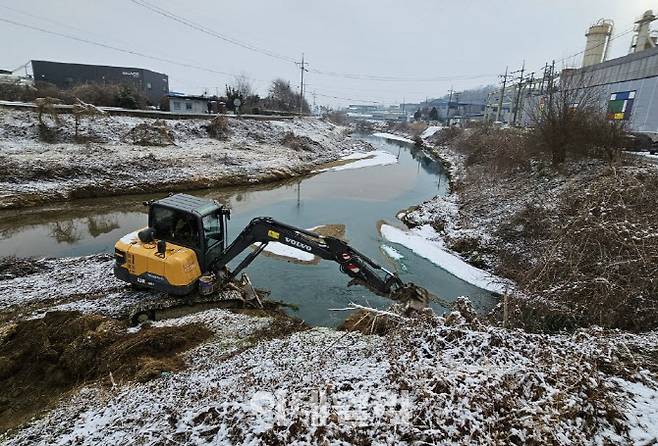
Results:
463 43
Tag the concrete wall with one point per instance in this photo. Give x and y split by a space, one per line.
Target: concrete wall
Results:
634 72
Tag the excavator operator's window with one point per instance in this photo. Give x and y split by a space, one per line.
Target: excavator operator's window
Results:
211 224
176 227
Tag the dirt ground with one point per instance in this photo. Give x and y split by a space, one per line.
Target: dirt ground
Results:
43 359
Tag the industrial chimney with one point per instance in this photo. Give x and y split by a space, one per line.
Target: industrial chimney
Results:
598 42
643 40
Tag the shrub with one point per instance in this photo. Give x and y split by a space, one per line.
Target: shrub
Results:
599 263
156 133
501 150
218 127
338 117
571 121
447 135
105 95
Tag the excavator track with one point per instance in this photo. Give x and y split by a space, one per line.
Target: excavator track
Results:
236 295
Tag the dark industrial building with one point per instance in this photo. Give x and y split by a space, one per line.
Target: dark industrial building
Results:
67 75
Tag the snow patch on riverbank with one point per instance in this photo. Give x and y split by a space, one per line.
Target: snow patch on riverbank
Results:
393 137
430 131
376 158
281 250
426 242
359 160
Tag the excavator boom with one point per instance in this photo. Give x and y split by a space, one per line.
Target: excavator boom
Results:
264 230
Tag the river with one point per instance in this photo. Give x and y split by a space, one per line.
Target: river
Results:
357 198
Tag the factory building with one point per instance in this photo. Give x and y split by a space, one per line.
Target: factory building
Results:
628 85
67 75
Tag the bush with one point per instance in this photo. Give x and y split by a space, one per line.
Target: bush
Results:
104 95
571 121
338 117
598 265
218 127
501 150
447 135
156 133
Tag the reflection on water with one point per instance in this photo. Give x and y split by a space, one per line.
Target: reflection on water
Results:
73 230
357 198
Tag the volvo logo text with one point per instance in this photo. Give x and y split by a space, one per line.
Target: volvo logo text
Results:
299 245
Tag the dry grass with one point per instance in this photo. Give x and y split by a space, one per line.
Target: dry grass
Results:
501 150
218 128
599 264
156 133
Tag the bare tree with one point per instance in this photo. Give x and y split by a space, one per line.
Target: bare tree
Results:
282 97
242 86
567 118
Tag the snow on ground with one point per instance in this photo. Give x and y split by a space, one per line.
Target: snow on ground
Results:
430 131
61 280
281 250
108 162
427 243
642 412
392 137
360 160
644 155
438 380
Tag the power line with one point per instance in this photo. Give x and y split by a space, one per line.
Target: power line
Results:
201 28
189 23
348 99
114 48
376 78
616 36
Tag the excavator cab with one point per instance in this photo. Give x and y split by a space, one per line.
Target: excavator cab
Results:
184 237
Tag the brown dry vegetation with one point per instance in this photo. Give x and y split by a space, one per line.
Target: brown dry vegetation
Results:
42 359
156 133
580 239
218 128
108 95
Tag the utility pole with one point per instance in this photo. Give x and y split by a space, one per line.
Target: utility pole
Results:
530 81
448 109
518 94
543 80
551 77
302 68
502 95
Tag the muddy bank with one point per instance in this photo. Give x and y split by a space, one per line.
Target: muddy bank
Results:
429 379
126 155
42 359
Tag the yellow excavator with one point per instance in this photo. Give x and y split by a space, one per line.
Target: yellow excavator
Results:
184 251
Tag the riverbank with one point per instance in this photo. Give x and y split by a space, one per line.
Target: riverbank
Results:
578 240
259 379
119 155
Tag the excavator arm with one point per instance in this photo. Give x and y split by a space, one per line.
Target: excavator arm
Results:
357 266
